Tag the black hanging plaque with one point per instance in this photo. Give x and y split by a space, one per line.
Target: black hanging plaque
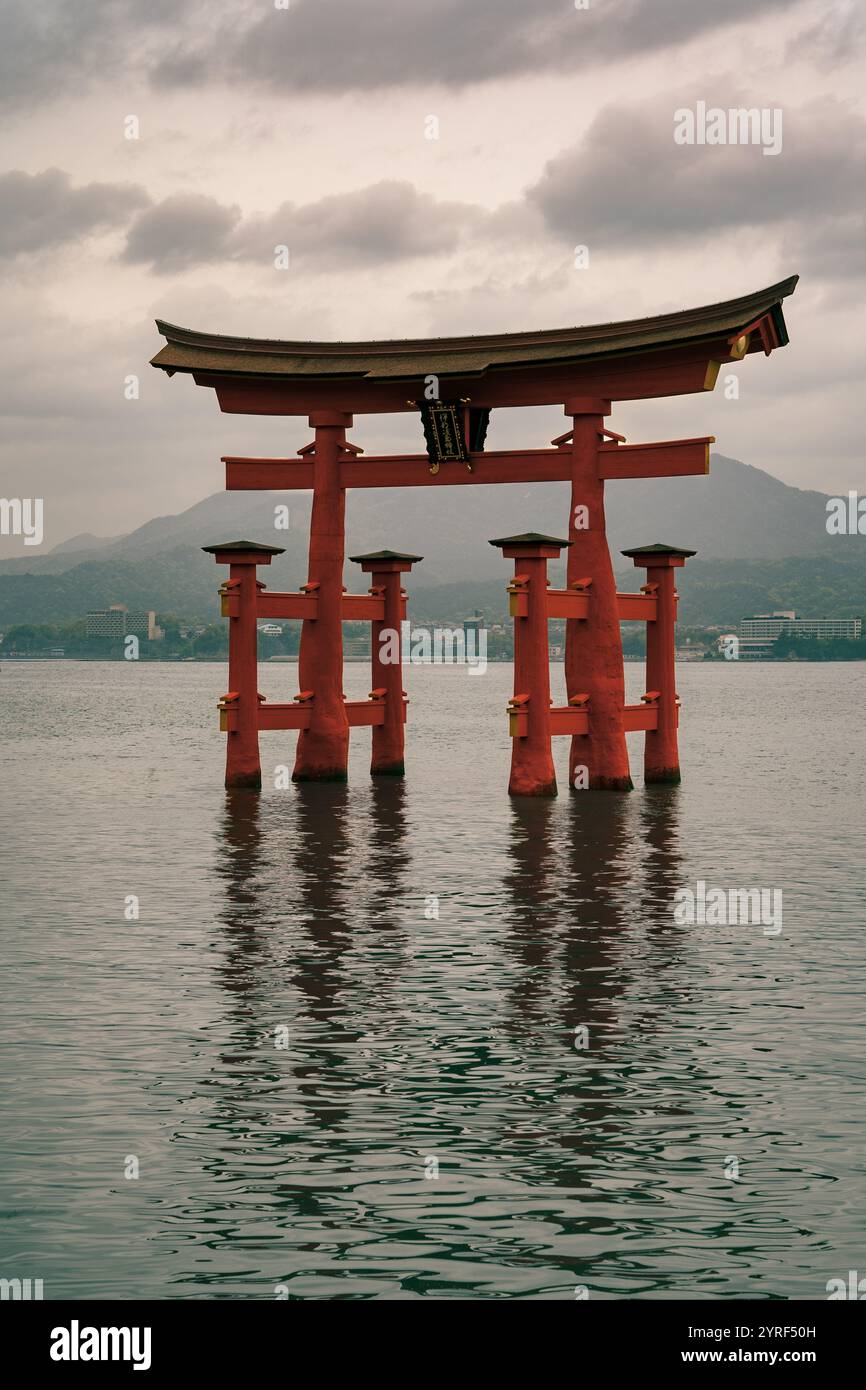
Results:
443 431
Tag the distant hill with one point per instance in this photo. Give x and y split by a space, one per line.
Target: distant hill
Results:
223 516
85 541
738 513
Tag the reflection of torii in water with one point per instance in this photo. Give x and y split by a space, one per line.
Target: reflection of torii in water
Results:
290 935
583 370
589 892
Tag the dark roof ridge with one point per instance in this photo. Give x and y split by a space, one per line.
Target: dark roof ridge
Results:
757 299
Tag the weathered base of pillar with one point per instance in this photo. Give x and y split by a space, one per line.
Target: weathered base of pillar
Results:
610 784
393 769
323 774
252 781
603 759
522 788
669 775
606 784
322 756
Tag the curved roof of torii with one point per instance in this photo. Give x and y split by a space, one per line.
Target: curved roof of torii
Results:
410 358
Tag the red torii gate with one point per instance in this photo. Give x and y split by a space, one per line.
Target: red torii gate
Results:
582 369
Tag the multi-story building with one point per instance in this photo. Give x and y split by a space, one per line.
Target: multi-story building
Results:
117 622
765 628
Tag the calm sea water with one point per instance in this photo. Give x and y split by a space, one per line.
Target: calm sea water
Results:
410 1038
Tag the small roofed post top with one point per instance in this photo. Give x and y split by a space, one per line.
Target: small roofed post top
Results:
668 354
530 545
529 539
386 562
658 549
384 555
264 552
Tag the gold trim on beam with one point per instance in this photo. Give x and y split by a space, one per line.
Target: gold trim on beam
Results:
712 376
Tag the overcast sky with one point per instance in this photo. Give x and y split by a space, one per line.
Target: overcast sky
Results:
307 126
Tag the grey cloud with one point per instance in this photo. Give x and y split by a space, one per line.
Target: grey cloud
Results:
47 48
39 211
629 185
388 221
384 223
339 45
367 44
184 229
43 50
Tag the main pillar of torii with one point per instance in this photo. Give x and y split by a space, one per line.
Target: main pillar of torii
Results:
584 371
323 749
593 648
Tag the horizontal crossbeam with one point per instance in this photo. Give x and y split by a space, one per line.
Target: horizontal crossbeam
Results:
360 713
263 475
284 716
565 603
564 719
355 607
673 458
561 603
637 608
669 459
636 717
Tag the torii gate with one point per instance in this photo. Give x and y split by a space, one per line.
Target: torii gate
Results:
582 369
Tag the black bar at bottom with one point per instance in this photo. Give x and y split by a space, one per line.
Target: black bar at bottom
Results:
230 1336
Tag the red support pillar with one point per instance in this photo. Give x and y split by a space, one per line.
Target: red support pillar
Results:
532 770
385 567
661 752
323 748
593 647
243 768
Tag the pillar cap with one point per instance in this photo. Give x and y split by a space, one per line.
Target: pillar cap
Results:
250 553
658 549
532 545
384 555
385 562
529 539
255 546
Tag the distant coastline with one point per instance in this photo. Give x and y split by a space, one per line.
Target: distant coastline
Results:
364 660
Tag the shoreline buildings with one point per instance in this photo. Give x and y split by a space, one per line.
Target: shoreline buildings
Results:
759 634
118 622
